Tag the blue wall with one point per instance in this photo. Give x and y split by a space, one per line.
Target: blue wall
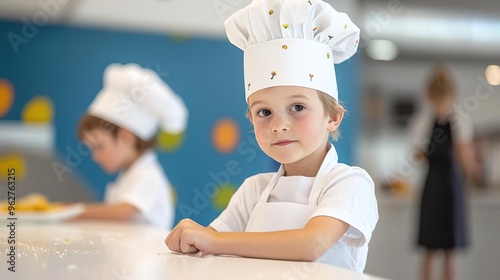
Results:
66 64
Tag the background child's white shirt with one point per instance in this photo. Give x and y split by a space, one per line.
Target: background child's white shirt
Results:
349 196
145 186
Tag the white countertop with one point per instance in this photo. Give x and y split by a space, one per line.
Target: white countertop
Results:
92 250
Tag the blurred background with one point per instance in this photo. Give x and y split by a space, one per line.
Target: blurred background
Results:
53 53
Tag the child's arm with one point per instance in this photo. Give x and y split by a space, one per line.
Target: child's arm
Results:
307 244
121 211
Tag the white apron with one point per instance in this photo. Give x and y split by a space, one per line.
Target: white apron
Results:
276 216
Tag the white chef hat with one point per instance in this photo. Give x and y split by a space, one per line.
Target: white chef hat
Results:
292 43
137 99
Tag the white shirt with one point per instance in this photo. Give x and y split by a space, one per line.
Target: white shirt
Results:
144 186
348 195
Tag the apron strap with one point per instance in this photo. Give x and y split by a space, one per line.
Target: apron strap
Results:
270 186
331 159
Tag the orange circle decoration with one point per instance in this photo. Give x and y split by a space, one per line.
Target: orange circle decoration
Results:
6 97
38 110
225 136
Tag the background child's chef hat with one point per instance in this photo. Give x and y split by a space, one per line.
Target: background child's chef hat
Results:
137 99
292 43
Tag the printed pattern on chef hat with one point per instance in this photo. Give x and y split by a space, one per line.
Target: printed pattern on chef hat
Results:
292 43
137 99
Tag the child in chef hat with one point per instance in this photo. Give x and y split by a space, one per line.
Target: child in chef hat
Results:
314 208
119 127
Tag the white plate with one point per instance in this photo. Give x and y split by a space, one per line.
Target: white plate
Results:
52 216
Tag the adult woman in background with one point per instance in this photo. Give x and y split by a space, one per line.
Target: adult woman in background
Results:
449 153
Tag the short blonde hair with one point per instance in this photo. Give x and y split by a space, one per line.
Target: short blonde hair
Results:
331 106
333 109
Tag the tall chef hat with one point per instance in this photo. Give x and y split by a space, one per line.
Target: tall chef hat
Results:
292 43
137 99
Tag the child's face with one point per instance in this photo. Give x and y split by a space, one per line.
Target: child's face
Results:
290 123
110 152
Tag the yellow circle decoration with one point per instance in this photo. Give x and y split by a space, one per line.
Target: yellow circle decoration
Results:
223 195
179 37
225 135
173 195
39 109
6 97
12 165
168 142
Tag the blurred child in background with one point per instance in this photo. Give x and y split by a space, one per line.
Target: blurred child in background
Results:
120 128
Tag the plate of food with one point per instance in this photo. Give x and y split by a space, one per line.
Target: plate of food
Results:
36 207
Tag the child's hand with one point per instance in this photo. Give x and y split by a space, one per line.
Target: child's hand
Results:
190 237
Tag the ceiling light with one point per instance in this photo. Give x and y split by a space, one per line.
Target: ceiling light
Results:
492 75
382 50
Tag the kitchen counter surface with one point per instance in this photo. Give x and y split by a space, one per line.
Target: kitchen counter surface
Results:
91 250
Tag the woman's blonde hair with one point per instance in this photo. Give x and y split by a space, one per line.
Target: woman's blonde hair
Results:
440 84
89 123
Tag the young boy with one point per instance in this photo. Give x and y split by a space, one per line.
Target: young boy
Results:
120 128
313 208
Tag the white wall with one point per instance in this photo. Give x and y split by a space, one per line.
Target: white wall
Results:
204 18
479 99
